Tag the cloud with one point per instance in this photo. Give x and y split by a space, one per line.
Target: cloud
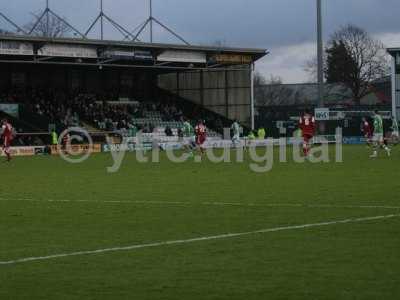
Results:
287 62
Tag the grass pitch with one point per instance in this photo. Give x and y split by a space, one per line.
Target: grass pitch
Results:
50 207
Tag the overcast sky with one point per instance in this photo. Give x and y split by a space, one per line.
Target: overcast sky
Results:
285 27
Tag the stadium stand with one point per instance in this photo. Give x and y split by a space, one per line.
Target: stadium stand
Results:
123 86
42 109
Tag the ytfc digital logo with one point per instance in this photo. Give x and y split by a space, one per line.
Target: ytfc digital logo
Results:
75 145
70 144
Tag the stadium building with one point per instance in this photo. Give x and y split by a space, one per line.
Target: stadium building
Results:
200 80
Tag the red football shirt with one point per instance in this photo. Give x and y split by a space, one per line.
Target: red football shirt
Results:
7 131
201 133
367 129
307 125
200 130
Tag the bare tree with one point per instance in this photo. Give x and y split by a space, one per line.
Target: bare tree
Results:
259 79
56 27
368 55
311 68
272 92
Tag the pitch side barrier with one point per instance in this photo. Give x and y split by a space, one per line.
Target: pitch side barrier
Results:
223 144
116 141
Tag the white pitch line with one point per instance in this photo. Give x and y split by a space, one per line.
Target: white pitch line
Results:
193 240
181 203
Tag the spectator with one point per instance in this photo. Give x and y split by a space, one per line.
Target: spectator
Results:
168 131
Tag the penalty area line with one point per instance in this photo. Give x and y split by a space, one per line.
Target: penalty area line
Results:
194 240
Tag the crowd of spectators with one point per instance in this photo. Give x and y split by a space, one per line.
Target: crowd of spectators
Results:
72 108
30 140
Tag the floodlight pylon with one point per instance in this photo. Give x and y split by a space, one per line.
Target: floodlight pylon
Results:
151 20
101 17
46 14
8 20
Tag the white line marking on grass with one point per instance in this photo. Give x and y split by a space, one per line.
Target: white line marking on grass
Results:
181 203
193 240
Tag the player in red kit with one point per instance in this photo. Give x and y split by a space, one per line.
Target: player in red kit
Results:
367 130
201 135
7 137
307 126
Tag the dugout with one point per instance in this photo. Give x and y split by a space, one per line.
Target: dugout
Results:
215 78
